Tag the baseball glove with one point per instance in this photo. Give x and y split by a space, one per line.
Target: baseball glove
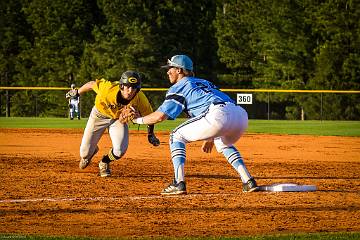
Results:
153 140
127 114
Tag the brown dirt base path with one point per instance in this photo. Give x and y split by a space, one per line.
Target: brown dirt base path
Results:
43 191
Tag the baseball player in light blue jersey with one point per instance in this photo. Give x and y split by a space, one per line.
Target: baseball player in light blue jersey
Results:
214 119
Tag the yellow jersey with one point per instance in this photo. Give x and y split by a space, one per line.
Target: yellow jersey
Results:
106 101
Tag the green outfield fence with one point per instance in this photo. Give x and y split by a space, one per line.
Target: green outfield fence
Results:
265 103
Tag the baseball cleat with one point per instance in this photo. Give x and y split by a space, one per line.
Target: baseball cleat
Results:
250 186
104 169
175 188
85 162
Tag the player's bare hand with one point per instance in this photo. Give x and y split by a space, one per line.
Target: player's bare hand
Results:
207 146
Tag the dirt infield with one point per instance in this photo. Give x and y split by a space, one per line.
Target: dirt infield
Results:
44 193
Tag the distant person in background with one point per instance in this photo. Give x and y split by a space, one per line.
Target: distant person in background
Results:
74 101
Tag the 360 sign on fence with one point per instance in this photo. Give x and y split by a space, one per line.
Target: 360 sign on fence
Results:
244 98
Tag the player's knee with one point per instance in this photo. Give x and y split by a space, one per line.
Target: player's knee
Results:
86 153
115 154
176 137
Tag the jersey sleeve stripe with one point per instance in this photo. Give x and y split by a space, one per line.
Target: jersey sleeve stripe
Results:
177 98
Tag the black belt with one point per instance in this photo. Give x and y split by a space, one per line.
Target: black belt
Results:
219 103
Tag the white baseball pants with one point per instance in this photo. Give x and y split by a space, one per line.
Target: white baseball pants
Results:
225 123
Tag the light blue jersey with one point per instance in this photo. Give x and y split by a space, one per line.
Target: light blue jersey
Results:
193 96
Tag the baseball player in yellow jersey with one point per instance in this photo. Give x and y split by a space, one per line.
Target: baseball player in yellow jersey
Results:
112 98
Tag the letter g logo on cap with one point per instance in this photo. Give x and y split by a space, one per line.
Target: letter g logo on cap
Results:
132 80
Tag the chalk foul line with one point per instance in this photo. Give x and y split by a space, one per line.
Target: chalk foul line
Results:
148 197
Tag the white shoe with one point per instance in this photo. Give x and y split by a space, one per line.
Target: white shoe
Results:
250 186
104 169
175 188
85 162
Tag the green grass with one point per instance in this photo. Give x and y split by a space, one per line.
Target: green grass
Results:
310 236
22 122
325 128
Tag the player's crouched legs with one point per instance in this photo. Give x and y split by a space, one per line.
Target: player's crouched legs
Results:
178 156
85 158
104 164
234 157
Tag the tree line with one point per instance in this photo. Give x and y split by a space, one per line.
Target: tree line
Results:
285 44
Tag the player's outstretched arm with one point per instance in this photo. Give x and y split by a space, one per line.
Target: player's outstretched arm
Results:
152 118
86 87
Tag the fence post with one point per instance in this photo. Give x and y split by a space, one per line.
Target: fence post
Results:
7 103
268 106
7 96
36 106
321 106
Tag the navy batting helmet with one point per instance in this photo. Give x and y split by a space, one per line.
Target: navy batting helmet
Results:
131 79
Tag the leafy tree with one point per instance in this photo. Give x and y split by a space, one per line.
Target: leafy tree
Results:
235 25
13 31
121 42
291 45
60 29
338 49
142 34
52 55
237 44
337 61
186 27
